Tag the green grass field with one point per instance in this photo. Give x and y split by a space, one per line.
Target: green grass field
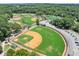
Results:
52 42
24 39
26 20
52 17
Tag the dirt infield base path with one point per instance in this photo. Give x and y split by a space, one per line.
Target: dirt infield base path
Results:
36 41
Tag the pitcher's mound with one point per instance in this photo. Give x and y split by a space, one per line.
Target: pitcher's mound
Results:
36 41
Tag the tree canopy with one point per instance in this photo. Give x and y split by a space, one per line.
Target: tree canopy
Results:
65 23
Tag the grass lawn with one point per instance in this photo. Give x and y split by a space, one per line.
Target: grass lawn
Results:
27 20
52 17
24 39
52 42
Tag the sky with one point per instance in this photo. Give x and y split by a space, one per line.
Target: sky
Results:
39 1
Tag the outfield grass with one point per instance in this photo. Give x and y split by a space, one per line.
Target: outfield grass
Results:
27 19
52 42
24 39
52 17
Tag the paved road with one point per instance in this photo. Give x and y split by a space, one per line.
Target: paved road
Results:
72 49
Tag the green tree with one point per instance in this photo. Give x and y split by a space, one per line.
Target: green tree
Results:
16 27
10 52
21 52
65 23
4 28
68 23
77 18
37 22
1 49
76 28
33 53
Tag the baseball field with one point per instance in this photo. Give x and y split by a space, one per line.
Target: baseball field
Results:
43 40
27 20
23 19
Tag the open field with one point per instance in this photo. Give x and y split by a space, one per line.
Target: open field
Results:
23 19
44 40
27 20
